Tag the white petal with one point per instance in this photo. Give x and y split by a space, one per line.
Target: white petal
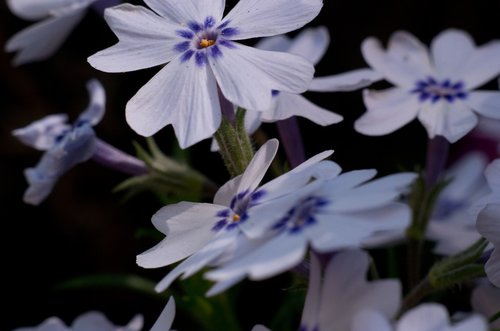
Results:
213 8
405 61
199 260
345 280
166 318
35 9
257 168
492 267
452 121
279 254
41 134
485 299
482 66
239 67
227 191
223 285
347 81
387 111
426 317
450 49
279 43
188 227
289 105
43 39
181 94
486 103
260 328
348 180
492 174
145 40
180 12
96 108
261 18
370 320
96 321
488 225
311 44
311 305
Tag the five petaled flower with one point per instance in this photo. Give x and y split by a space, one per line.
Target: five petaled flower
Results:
205 63
65 145
437 88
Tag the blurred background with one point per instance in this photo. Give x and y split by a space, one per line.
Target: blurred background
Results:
84 229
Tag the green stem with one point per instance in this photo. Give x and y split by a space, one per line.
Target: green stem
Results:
234 144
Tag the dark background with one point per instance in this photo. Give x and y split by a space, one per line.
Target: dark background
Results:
84 229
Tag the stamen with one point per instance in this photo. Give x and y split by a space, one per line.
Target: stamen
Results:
236 218
206 43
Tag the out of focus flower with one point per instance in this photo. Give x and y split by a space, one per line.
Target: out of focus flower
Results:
91 321
203 60
488 224
43 39
437 87
65 145
426 317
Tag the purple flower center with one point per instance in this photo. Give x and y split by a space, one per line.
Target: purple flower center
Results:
203 40
431 89
301 216
237 212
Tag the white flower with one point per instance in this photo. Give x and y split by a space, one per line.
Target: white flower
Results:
44 38
488 224
492 174
64 145
329 215
436 86
451 225
334 300
210 233
203 59
91 321
425 317
485 300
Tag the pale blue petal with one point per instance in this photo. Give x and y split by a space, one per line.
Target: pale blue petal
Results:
262 18
96 108
42 134
145 40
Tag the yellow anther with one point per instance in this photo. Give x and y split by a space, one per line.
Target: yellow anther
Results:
206 42
236 218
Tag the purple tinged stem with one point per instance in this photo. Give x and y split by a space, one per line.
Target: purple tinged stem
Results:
292 140
227 108
113 158
437 154
100 5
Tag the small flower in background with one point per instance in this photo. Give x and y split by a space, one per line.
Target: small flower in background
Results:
41 40
488 225
65 145
91 321
203 60
334 299
437 87
425 317
451 225
210 234
328 214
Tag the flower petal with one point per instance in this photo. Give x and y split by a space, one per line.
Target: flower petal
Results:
96 108
488 225
482 66
181 94
180 12
198 260
96 321
452 121
188 227
347 81
388 111
35 9
43 39
145 40
41 134
213 8
288 105
449 50
262 18
486 103
257 168
370 319
241 66
311 306
275 256
405 61
426 317
279 43
166 318
311 44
